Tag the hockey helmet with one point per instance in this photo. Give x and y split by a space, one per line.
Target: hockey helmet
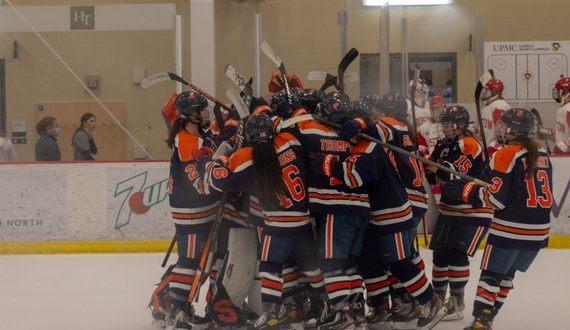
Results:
276 82
492 87
436 106
451 120
259 128
310 98
280 103
193 107
422 91
562 85
393 105
362 109
334 109
516 122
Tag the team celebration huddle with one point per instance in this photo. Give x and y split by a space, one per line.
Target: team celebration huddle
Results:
301 210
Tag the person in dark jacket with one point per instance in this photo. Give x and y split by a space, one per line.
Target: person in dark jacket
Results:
46 148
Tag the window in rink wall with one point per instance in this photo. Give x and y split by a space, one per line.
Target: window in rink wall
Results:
438 70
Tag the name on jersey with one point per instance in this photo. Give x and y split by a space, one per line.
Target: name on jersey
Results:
542 161
287 157
488 124
334 145
408 141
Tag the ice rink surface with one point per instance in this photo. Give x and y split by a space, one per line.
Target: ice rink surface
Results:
111 291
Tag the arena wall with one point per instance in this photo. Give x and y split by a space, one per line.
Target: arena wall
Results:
103 207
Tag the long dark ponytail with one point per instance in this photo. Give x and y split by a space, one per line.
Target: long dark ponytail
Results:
267 174
531 157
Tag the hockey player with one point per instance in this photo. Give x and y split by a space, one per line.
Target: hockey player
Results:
273 170
494 107
394 129
422 111
341 214
561 94
192 213
459 228
521 195
427 132
310 98
389 236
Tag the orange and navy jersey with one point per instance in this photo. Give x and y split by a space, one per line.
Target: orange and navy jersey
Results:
188 206
522 204
465 156
370 166
328 195
411 170
234 174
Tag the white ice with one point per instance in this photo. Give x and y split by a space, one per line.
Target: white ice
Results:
111 291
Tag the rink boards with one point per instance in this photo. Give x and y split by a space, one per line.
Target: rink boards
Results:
122 207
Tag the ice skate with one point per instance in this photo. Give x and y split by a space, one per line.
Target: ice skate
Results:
380 318
312 310
185 319
405 314
290 318
431 313
266 321
358 311
455 305
484 321
335 320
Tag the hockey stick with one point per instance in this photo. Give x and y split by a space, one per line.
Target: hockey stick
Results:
164 76
343 65
208 253
329 81
413 96
174 239
275 59
482 82
241 82
409 154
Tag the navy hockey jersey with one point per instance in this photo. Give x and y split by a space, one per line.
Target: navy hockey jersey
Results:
328 195
411 170
370 167
522 205
465 156
234 174
187 205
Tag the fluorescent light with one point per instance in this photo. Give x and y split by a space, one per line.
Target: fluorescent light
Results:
406 2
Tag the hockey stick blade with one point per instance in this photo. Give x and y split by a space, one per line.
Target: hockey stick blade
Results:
154 79
330 81
241 107
271 54
322 76
235 76
482 82
343 65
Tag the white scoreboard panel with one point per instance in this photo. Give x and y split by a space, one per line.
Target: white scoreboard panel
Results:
528 69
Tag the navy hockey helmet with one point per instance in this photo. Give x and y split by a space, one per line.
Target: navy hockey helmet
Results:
280 103
373 100
310 98
334 109
193 107
393 105
515 122
452 119
362 109
259 128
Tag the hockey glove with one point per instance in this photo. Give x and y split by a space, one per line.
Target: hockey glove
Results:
351 128
203 152
546 133
461 190
322 163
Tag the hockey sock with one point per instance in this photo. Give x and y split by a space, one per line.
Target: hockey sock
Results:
440 272
487 291
271 286
505 286
337 283
413 279
458 271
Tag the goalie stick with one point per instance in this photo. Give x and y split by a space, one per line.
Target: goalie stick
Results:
323 76
343 65
208 252
482 82
164 76
275 59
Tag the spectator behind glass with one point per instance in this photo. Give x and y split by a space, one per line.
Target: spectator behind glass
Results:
46 147
82 141
7 151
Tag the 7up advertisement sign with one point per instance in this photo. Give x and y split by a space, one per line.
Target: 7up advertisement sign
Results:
138 202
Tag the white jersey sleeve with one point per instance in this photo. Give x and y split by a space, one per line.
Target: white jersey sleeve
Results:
562 137
423 114
490 114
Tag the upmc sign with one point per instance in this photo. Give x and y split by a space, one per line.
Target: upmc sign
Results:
82 17
528 69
